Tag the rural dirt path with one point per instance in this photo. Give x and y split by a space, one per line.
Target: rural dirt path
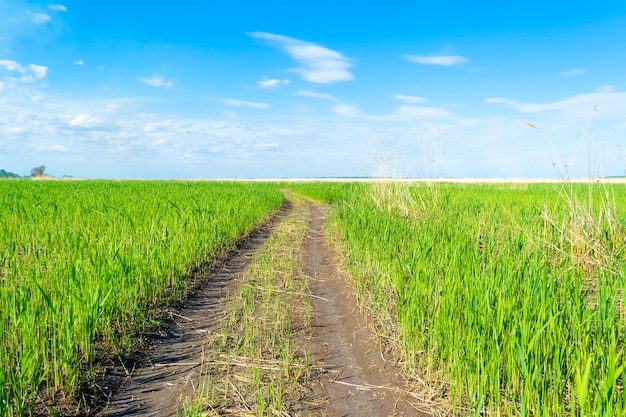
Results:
357 381
353 380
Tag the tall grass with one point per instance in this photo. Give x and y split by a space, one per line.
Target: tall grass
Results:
511 293
83 263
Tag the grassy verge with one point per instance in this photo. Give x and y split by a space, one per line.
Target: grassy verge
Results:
253 366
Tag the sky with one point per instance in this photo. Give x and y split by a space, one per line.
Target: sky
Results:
250 89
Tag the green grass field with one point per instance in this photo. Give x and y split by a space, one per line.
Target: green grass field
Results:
505 297
84 265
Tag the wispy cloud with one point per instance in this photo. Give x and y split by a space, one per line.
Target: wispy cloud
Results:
409 99
309 93
158 126
267 146
345 110
79 62
242 103
58 7
272 82
54 148
319 64
39 18
441 60
608 103
573 72
158 81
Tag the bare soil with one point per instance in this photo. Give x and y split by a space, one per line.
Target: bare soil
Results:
353 379
357 380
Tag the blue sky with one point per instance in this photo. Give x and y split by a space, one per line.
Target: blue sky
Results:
208 89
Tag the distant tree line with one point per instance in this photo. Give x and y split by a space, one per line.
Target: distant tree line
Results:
35 172
7 174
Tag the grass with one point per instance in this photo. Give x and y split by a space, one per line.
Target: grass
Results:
506 299
83 266
255 366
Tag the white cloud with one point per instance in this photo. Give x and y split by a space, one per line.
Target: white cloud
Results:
573 72
442 60
158 126
158 81
27 78
266 146
10 65
242 103
272 82
410 99
30 73
160 142
319 64
309 93
39 71
39 18
111 108
58 7
500 100
79 62
83 120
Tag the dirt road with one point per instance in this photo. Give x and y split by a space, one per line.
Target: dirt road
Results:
352 378
357 381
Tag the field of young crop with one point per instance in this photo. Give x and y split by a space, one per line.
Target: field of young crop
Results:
82 264
505 297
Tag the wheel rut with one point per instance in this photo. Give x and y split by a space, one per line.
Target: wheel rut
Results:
356 380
